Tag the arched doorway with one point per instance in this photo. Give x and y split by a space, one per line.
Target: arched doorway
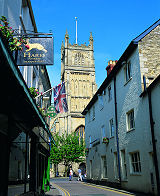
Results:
82 166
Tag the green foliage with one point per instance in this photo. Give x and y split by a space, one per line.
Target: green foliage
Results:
56 152
34 92
14 43
68 149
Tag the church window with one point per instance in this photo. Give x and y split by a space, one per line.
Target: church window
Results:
80 132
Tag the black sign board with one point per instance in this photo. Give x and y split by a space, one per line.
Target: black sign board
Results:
38 51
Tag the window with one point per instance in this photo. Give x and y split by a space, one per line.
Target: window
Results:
100 99
111 127
135 162
116 168
104 167
90 142
130 120
109 93
128 73
80 133
93 112
124 165
103 132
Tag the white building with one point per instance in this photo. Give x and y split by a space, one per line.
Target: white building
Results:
120 113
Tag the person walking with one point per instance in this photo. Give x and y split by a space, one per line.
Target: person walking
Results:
79 174
70 174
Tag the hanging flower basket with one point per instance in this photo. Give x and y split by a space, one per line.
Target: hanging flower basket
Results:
105 140
34 92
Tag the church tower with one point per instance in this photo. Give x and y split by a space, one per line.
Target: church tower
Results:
78 73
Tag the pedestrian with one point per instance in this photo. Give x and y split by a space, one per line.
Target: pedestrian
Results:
79 174
70 174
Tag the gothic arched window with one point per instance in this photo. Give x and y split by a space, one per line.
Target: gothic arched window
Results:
80 132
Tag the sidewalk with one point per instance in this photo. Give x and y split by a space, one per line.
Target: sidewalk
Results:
53 191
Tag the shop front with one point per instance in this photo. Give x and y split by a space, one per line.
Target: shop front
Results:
24 134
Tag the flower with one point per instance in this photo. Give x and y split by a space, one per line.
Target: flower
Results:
105 140
27 46
13 42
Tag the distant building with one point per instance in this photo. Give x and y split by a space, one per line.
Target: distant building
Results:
78 73
122 123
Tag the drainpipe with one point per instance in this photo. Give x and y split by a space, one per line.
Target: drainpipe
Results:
26 163
153 142
117 139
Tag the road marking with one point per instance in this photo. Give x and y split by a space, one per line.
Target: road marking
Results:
62 189
107 189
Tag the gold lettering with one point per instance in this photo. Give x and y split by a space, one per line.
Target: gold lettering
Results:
27 54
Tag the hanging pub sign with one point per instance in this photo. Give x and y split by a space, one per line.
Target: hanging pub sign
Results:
38 51
51 112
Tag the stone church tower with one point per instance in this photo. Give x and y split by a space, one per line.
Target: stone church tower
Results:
78 73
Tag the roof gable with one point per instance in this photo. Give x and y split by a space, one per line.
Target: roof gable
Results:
146 32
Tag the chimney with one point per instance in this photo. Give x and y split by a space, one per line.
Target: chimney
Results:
110 66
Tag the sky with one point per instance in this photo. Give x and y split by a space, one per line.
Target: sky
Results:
113 23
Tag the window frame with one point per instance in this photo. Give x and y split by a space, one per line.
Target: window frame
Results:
109 93
90 141
101 101
93 112
130 120
110 127
128 71
104 173
103 132
135 163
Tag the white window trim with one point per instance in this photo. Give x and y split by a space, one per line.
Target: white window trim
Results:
93 112
127 79
110 128
103 132
90 141
131 164
127 120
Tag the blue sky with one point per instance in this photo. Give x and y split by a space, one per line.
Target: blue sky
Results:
113 25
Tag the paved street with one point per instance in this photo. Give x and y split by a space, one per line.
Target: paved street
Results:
61 186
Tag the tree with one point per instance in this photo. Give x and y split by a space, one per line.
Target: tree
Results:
56 152
68 149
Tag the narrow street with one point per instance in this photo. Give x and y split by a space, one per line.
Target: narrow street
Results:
62 186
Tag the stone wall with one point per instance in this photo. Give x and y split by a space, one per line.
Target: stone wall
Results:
149 54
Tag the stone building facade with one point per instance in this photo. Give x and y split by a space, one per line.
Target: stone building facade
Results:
122 119
149 51
78 73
